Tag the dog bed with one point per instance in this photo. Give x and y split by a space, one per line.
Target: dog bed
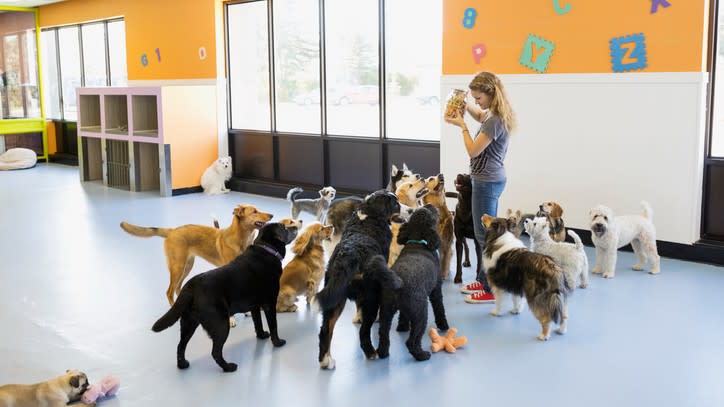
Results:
18 159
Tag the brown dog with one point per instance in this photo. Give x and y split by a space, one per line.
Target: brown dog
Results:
303 274
436 198
554 213
56 392
217 246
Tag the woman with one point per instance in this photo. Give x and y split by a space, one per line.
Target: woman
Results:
487 152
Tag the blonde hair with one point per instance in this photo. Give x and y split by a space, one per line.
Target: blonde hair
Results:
488 83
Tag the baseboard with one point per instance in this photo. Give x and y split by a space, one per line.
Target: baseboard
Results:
185 191
700 252
279 190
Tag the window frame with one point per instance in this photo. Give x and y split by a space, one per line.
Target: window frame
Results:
58 53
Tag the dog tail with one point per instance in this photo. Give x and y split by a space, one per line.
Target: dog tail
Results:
576 239
172 315
292 194
377 270
141 231
341 270
648 212
556 304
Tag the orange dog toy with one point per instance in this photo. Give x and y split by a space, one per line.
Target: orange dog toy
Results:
448 342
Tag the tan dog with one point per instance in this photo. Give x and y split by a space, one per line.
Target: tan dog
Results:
217 246
554 213
56 392
436 198
304 273
409 195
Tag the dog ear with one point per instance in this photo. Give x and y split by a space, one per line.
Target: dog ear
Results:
509 213
518 214
511 224
433 239
394 169
404 167
238 211
486 219
556 210
403 235
303 241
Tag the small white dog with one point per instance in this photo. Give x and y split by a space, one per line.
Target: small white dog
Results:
571 257
609 233
214 177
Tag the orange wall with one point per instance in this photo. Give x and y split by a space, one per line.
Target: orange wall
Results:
674 36
177 27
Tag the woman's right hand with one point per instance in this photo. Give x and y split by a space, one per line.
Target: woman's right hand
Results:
456 120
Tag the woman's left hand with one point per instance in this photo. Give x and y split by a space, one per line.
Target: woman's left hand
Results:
456 120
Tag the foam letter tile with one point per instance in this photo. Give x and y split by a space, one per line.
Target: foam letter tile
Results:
537 53
628 53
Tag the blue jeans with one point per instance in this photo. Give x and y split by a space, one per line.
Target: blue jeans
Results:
484 201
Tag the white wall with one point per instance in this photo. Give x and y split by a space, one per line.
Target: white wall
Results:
614 139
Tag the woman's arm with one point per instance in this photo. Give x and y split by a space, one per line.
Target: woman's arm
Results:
477 113
477 146
474 147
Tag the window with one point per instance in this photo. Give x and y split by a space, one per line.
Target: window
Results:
19 97
352 38
94 54
117 52
296 66
414 68
79 59
69 70
249 66
50 74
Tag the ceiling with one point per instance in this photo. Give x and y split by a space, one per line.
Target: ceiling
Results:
27 3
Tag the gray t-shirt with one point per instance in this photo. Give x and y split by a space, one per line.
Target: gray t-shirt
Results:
488 165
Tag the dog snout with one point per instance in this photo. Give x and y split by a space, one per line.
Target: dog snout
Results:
540 207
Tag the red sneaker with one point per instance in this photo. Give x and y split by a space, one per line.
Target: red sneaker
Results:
480 297
473 287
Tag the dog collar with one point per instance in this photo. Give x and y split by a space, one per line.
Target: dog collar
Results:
424 243
270 251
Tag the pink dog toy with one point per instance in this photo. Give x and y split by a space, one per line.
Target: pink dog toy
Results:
106 387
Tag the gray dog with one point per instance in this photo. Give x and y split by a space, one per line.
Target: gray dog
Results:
317 207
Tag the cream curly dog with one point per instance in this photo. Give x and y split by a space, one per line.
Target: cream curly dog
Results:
609 233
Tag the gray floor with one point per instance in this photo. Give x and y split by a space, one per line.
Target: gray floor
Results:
77 292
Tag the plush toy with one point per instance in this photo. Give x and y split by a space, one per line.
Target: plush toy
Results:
448 342
106 387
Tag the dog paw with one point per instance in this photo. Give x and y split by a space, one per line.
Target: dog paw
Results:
230 367
561 331
596 270
654 271
583 285
421 356
609 275
232 322
279 343
183 364
542 337
262 335
638 267
458 280
383 354
495 313
327 363
466 264
515 311
442 325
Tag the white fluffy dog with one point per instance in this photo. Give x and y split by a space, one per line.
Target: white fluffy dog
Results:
214 177
609 233
571 257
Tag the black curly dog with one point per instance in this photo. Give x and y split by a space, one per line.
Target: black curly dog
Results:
249 283
463 226
418 269
366 234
